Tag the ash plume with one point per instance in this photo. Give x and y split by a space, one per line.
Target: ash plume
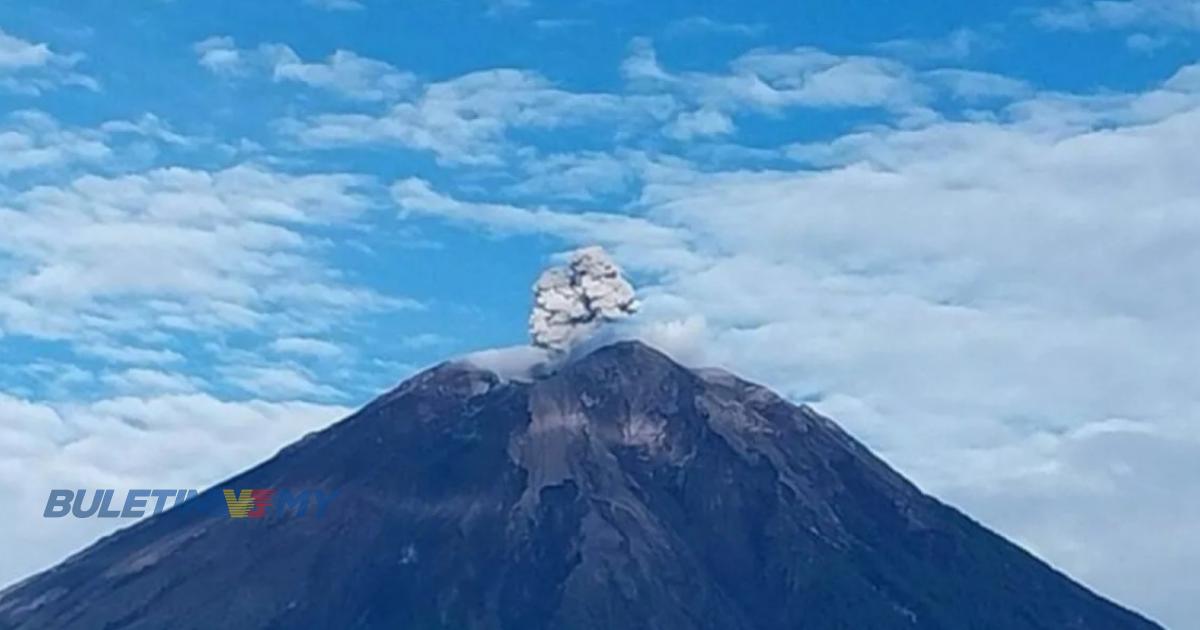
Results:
572 301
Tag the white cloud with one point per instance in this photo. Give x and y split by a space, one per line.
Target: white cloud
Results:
308 347
1014 293
32 140
148 126
698 124
278 382
772 80
1109 484
343 72
574 176
417 197
32 68
515 363
159 441
17 53
768 81
230 248
1121 14
700 25
468 120
683 339
144 381
465 120
55 380
129 354
971 85
1185 81
1014 290
220 55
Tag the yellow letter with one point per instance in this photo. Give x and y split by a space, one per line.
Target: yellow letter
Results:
240 505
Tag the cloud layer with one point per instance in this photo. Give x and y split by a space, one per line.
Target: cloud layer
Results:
30 68
182 440
991 281
1018 289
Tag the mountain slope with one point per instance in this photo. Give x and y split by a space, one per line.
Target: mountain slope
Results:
623 491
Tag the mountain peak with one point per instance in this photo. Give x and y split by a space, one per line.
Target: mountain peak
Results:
631 349
620 490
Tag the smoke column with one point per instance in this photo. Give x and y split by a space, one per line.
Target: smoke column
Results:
571 302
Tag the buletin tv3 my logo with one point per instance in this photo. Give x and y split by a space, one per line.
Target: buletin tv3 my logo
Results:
246 503
249 503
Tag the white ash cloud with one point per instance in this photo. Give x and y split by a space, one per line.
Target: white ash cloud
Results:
572 301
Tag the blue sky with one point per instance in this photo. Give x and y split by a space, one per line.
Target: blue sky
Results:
968 231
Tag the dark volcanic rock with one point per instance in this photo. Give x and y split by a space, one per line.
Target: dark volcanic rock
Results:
623 491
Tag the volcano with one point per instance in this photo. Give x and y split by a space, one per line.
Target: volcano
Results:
619 491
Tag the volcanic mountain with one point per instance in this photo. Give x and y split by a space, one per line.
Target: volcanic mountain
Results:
619 491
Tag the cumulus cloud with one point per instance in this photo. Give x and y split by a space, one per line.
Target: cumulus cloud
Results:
1121 14
220 55
416 197
773 80
32 68
343 72
229 245
465 120
700 123
121 266
31 140
1001 276
572 301
148 126
1029 309
16 53
186 440
579 176
1131 468
279 382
